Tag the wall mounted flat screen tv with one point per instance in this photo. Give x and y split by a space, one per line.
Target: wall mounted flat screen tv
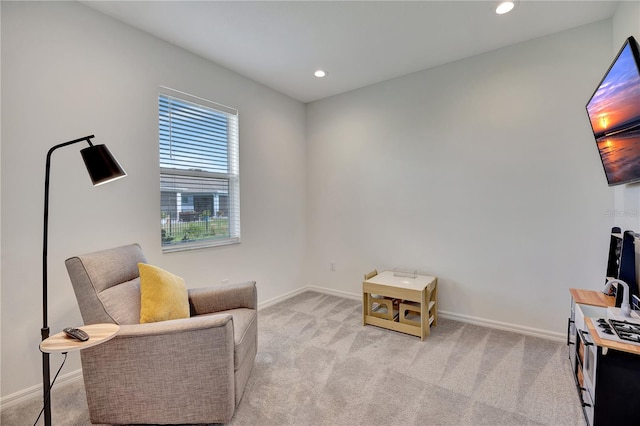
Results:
614 112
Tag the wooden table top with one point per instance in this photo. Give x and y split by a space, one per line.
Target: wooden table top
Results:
387 278
98 333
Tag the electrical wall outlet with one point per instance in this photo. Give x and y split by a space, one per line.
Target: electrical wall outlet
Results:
332 266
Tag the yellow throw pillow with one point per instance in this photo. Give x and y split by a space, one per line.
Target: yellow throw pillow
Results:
163 296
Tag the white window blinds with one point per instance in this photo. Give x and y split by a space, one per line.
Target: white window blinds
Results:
199 182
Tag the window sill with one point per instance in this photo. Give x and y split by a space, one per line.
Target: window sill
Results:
196 245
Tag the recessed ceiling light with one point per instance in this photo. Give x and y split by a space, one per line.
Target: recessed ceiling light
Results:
320 73
505 7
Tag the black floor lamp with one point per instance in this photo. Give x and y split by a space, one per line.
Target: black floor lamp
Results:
102 168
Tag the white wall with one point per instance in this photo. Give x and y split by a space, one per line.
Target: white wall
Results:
482 172
69 71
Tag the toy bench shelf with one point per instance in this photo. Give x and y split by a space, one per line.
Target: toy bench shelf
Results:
407 304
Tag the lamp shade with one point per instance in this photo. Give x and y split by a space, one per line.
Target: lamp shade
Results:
101 165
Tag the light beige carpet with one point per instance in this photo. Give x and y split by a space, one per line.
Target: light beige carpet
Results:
317 365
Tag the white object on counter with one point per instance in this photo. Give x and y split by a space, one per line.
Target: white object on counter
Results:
617 314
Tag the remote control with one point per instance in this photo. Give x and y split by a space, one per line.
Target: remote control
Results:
76 333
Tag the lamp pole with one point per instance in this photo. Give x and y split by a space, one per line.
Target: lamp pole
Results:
102 167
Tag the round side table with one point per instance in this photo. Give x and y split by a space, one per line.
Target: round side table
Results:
98 333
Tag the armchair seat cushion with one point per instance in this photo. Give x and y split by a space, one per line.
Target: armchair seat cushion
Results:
245 332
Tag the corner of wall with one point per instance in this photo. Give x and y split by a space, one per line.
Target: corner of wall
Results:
626 22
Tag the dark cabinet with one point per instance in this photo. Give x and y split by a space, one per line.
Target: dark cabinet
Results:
617 388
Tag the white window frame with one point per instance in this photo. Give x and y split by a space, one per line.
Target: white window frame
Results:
181 170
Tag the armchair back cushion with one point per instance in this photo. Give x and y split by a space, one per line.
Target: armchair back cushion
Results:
107 284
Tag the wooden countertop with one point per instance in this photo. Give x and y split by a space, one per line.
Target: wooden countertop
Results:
592 297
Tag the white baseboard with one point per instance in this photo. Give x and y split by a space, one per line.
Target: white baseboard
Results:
515 328
323 290
333 292
278 299
529 331
36 391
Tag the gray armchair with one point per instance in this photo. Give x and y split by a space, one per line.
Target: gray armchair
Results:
190 370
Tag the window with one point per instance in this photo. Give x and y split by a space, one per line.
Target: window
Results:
199 185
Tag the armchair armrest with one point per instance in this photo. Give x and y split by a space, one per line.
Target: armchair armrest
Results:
147 340
206 300
163 328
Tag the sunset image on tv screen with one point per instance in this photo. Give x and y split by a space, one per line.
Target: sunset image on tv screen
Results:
614 111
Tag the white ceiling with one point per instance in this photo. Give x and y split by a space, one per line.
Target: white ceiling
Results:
280 44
